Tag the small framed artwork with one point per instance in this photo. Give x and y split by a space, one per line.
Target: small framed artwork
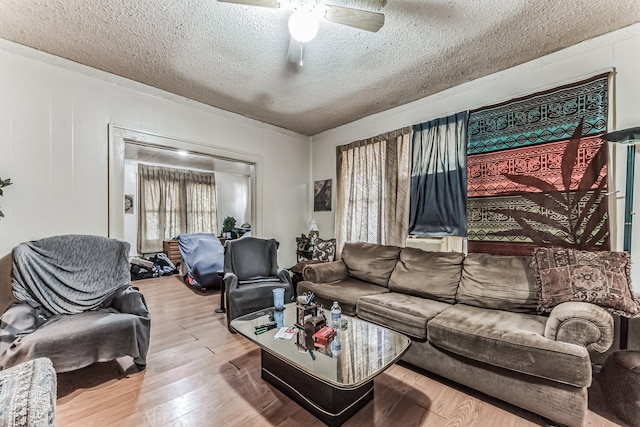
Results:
322 195
128 203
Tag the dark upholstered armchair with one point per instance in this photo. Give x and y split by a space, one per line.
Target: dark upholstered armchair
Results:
250 274
69 298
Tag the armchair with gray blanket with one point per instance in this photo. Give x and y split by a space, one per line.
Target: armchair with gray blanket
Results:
251 273
71 301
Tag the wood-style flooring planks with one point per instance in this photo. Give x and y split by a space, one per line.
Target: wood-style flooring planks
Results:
199 374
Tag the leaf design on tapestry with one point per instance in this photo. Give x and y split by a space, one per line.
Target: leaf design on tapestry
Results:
584 227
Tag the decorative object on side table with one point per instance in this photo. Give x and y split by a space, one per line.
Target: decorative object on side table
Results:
4 183
243 229
302 247
313 230
227 226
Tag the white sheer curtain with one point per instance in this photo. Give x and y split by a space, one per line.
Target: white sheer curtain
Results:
372 199
172 202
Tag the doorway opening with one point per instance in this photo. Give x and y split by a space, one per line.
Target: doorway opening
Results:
236 176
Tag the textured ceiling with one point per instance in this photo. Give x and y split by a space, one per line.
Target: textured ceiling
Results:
234 57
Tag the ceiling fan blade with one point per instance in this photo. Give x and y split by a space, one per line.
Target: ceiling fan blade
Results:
357 18
296 51
370 4
262 3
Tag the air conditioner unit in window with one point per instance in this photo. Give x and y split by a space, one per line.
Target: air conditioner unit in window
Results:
437 244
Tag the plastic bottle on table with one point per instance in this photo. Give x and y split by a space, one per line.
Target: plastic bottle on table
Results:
336 319
336 314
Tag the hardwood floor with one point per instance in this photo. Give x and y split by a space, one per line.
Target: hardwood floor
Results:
199 374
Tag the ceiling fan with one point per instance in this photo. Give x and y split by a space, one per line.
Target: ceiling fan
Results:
307 14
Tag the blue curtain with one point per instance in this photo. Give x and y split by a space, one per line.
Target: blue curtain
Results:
438 199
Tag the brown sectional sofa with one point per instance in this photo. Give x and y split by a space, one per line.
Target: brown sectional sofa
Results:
473 319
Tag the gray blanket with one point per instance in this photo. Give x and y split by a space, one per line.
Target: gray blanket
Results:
69 274
75 304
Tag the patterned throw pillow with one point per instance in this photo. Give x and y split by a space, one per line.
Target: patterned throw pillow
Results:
324 250
601 278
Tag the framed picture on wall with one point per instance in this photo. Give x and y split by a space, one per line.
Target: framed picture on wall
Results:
128 203
322 195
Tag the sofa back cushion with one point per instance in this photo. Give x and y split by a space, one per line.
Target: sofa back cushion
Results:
433 275
499 282
370 262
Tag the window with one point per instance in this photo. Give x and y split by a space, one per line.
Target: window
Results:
373 189
439 177
172 202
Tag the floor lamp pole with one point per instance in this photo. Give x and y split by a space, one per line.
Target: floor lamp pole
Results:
628 220
628 137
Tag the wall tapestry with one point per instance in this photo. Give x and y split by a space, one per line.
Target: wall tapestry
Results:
537 171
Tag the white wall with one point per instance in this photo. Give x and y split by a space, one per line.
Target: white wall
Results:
618 50
54 117
233 197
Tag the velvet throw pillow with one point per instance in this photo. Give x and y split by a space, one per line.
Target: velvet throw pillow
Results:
601 278
324 250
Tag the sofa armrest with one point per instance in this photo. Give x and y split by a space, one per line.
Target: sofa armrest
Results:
285 276
128 299
325 272
6 294
230 282
581 323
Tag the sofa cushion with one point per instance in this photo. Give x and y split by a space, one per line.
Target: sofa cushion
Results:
404 313
73 341
346 292
324 250
601 278
323 272
432 275
500 282
370 262
509 340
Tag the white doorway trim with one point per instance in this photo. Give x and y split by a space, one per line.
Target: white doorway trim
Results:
120 135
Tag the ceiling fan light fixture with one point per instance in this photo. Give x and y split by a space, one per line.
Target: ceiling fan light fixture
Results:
303 26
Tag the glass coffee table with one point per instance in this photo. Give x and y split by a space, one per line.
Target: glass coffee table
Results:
332 385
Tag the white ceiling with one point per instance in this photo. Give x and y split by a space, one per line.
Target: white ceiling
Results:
234 57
